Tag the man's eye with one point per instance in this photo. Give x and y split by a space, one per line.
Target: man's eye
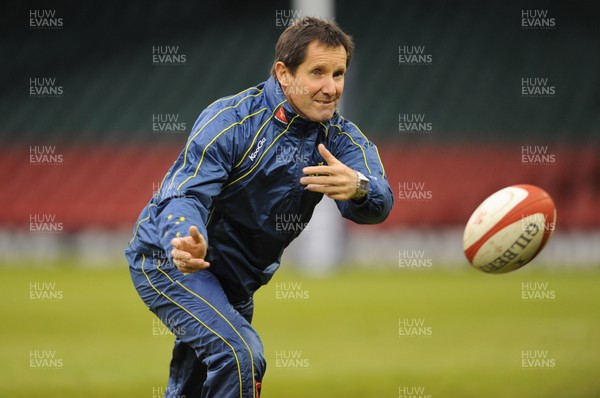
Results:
316 72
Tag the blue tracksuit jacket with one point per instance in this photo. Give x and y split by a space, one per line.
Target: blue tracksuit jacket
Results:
237 180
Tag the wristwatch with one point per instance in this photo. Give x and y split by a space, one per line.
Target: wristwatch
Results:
362 186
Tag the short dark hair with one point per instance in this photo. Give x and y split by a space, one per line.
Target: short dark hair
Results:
293 42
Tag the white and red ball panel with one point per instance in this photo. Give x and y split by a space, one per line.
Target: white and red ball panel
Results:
509 228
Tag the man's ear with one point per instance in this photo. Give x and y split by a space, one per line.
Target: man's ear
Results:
282 73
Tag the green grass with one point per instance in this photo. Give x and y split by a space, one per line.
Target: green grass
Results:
343 329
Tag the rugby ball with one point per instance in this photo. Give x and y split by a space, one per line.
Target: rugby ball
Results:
509 228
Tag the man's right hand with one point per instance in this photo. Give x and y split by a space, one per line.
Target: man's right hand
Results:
188 252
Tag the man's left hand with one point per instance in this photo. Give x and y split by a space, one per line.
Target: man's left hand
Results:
335 180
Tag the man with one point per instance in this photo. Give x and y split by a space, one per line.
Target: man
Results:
215 230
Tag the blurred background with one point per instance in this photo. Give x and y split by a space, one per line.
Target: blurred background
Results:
461 98
95 110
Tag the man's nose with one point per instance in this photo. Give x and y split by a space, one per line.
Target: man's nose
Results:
328 86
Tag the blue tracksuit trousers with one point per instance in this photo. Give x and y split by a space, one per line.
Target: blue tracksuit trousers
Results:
217 352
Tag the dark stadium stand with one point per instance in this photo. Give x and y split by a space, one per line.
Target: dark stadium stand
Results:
470 93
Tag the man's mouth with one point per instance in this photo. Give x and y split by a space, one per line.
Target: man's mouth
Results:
326 102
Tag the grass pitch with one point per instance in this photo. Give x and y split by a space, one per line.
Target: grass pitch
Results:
74 332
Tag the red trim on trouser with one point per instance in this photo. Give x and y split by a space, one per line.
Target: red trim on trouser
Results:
258 387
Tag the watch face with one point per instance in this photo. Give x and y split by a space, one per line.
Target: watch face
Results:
362 187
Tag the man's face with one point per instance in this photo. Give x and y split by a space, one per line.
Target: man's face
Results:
316 87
